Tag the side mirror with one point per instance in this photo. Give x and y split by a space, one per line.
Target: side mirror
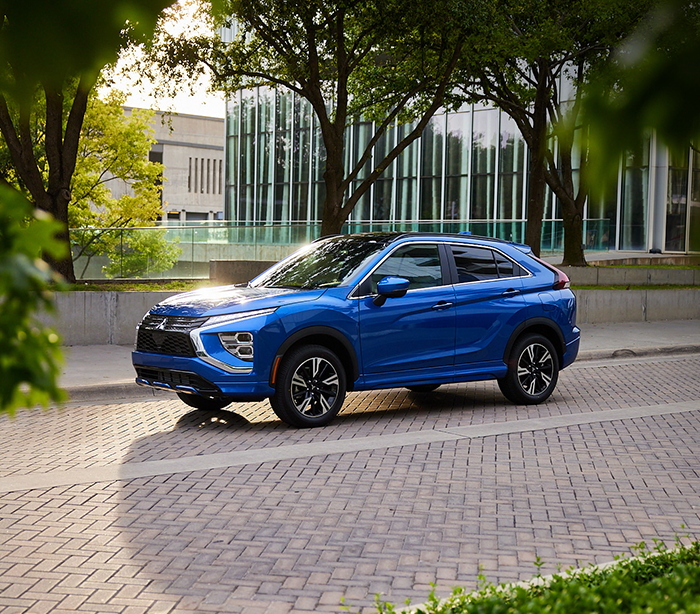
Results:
390 287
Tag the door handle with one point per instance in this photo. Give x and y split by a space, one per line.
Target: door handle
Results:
510 292
442 305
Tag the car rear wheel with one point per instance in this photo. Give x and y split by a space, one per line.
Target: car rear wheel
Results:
206 403
533 370
424 387
310 387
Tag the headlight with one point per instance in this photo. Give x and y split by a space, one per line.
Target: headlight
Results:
235 317
238 344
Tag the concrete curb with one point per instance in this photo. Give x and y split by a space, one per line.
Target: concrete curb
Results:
119 391
129 390
637 352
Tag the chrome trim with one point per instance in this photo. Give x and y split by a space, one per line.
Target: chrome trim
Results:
156 385
486 281
187 390
201 353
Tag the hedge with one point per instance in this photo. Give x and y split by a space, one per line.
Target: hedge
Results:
659 580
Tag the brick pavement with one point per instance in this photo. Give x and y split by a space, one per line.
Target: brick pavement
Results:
300 534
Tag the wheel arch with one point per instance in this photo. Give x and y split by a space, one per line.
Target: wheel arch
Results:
542 326
327 337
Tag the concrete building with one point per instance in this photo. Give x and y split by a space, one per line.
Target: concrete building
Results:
191 148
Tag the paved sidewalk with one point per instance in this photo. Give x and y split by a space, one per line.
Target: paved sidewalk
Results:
105 372
146 506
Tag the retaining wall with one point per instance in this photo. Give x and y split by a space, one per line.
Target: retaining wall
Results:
620 276
102 318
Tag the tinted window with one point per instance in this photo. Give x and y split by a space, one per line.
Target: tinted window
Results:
420 264
474 263
506 268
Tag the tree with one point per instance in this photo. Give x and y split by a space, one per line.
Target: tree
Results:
52 53
535 58
388 60
42 44
113 153
652 83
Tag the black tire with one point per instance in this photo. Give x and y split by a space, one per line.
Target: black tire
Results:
533 371
424 387
310 387
207 403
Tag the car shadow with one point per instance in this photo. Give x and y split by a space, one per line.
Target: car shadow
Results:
212 420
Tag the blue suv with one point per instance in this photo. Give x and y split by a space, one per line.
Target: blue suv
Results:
361 312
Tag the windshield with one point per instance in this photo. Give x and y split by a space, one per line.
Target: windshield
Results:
326 264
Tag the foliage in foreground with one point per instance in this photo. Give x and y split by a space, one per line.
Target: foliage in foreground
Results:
657 580
31 356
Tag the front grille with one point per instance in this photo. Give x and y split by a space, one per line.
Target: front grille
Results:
161 342
178 378
167 335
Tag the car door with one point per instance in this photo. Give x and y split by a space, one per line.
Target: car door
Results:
489 304
409 339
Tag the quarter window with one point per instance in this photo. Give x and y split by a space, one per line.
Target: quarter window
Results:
506 268
420 264
474 263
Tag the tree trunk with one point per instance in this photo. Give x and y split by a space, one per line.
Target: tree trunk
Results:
332 218
535 202
59 210
535 135
573 235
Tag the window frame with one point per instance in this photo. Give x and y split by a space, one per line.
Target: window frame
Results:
524 272
364 288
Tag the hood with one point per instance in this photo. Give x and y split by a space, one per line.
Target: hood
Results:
231 299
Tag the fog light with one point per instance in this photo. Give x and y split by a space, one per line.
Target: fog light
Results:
238 344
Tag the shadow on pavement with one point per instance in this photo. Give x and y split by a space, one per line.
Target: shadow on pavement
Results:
208 419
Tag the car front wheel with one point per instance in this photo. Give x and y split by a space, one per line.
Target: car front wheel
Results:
533 370
310 387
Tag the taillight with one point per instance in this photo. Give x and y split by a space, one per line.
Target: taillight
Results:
561 279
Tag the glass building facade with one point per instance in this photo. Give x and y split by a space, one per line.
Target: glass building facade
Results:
468 171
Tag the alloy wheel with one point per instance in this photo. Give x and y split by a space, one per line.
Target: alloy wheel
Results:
535 369
314 387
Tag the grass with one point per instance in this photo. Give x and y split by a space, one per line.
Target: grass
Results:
656 580
179 285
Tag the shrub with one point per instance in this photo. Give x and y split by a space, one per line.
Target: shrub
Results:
657 580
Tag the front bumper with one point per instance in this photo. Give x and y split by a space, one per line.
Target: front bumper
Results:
195 376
